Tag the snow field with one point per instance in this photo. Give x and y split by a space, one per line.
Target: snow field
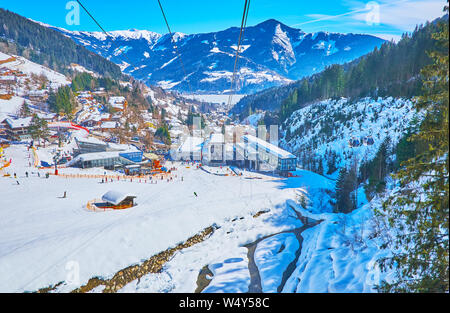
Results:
39 238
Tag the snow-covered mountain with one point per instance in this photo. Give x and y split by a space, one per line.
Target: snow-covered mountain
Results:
272 54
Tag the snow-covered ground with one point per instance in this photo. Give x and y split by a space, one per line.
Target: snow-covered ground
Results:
328 126
11 106
253 119
42 242
38 239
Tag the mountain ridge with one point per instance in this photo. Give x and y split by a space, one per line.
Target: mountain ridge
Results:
272 54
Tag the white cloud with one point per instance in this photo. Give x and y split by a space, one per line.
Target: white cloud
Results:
401 16
405 15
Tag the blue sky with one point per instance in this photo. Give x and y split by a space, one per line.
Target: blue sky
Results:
386 19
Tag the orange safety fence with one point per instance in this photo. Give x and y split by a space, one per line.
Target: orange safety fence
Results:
92 207
7 96
140 179
11 59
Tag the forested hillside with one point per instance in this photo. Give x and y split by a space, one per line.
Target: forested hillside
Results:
21 36
389 151
392 70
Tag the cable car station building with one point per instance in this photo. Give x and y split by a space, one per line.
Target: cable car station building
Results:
252 153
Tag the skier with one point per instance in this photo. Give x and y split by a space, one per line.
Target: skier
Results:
26 174
195 194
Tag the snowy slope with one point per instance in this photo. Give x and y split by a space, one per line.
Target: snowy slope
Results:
56 79
12 106
38 239
341 253
329 125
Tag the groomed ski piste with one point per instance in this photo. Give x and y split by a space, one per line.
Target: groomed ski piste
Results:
260 241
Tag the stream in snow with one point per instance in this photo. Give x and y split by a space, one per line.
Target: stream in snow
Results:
256 286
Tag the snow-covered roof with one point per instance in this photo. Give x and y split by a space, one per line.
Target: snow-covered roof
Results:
241 147
37 92
100 155
3 117
46 115
108 125
256 143
7 78
114 100
122 147
91 140
20 122
115 197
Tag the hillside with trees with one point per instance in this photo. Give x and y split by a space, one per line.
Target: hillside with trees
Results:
391 70
48 47
379 128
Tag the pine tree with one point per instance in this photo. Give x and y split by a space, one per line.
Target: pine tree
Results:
39 128
331 163
320 166
420 210
24 110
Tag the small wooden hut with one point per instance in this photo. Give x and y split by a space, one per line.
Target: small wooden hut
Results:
116 200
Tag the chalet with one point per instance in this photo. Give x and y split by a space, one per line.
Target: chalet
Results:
8 80
49 117
116 200
91 122
38 95
118 104
18 129
108 126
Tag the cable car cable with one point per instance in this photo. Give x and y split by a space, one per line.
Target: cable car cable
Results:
106 33
243 24
176 49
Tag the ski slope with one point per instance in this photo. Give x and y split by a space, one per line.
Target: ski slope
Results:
42 242
39 238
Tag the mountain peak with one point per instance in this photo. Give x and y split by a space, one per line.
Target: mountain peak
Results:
270 23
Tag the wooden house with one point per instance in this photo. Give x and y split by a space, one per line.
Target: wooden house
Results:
116 200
